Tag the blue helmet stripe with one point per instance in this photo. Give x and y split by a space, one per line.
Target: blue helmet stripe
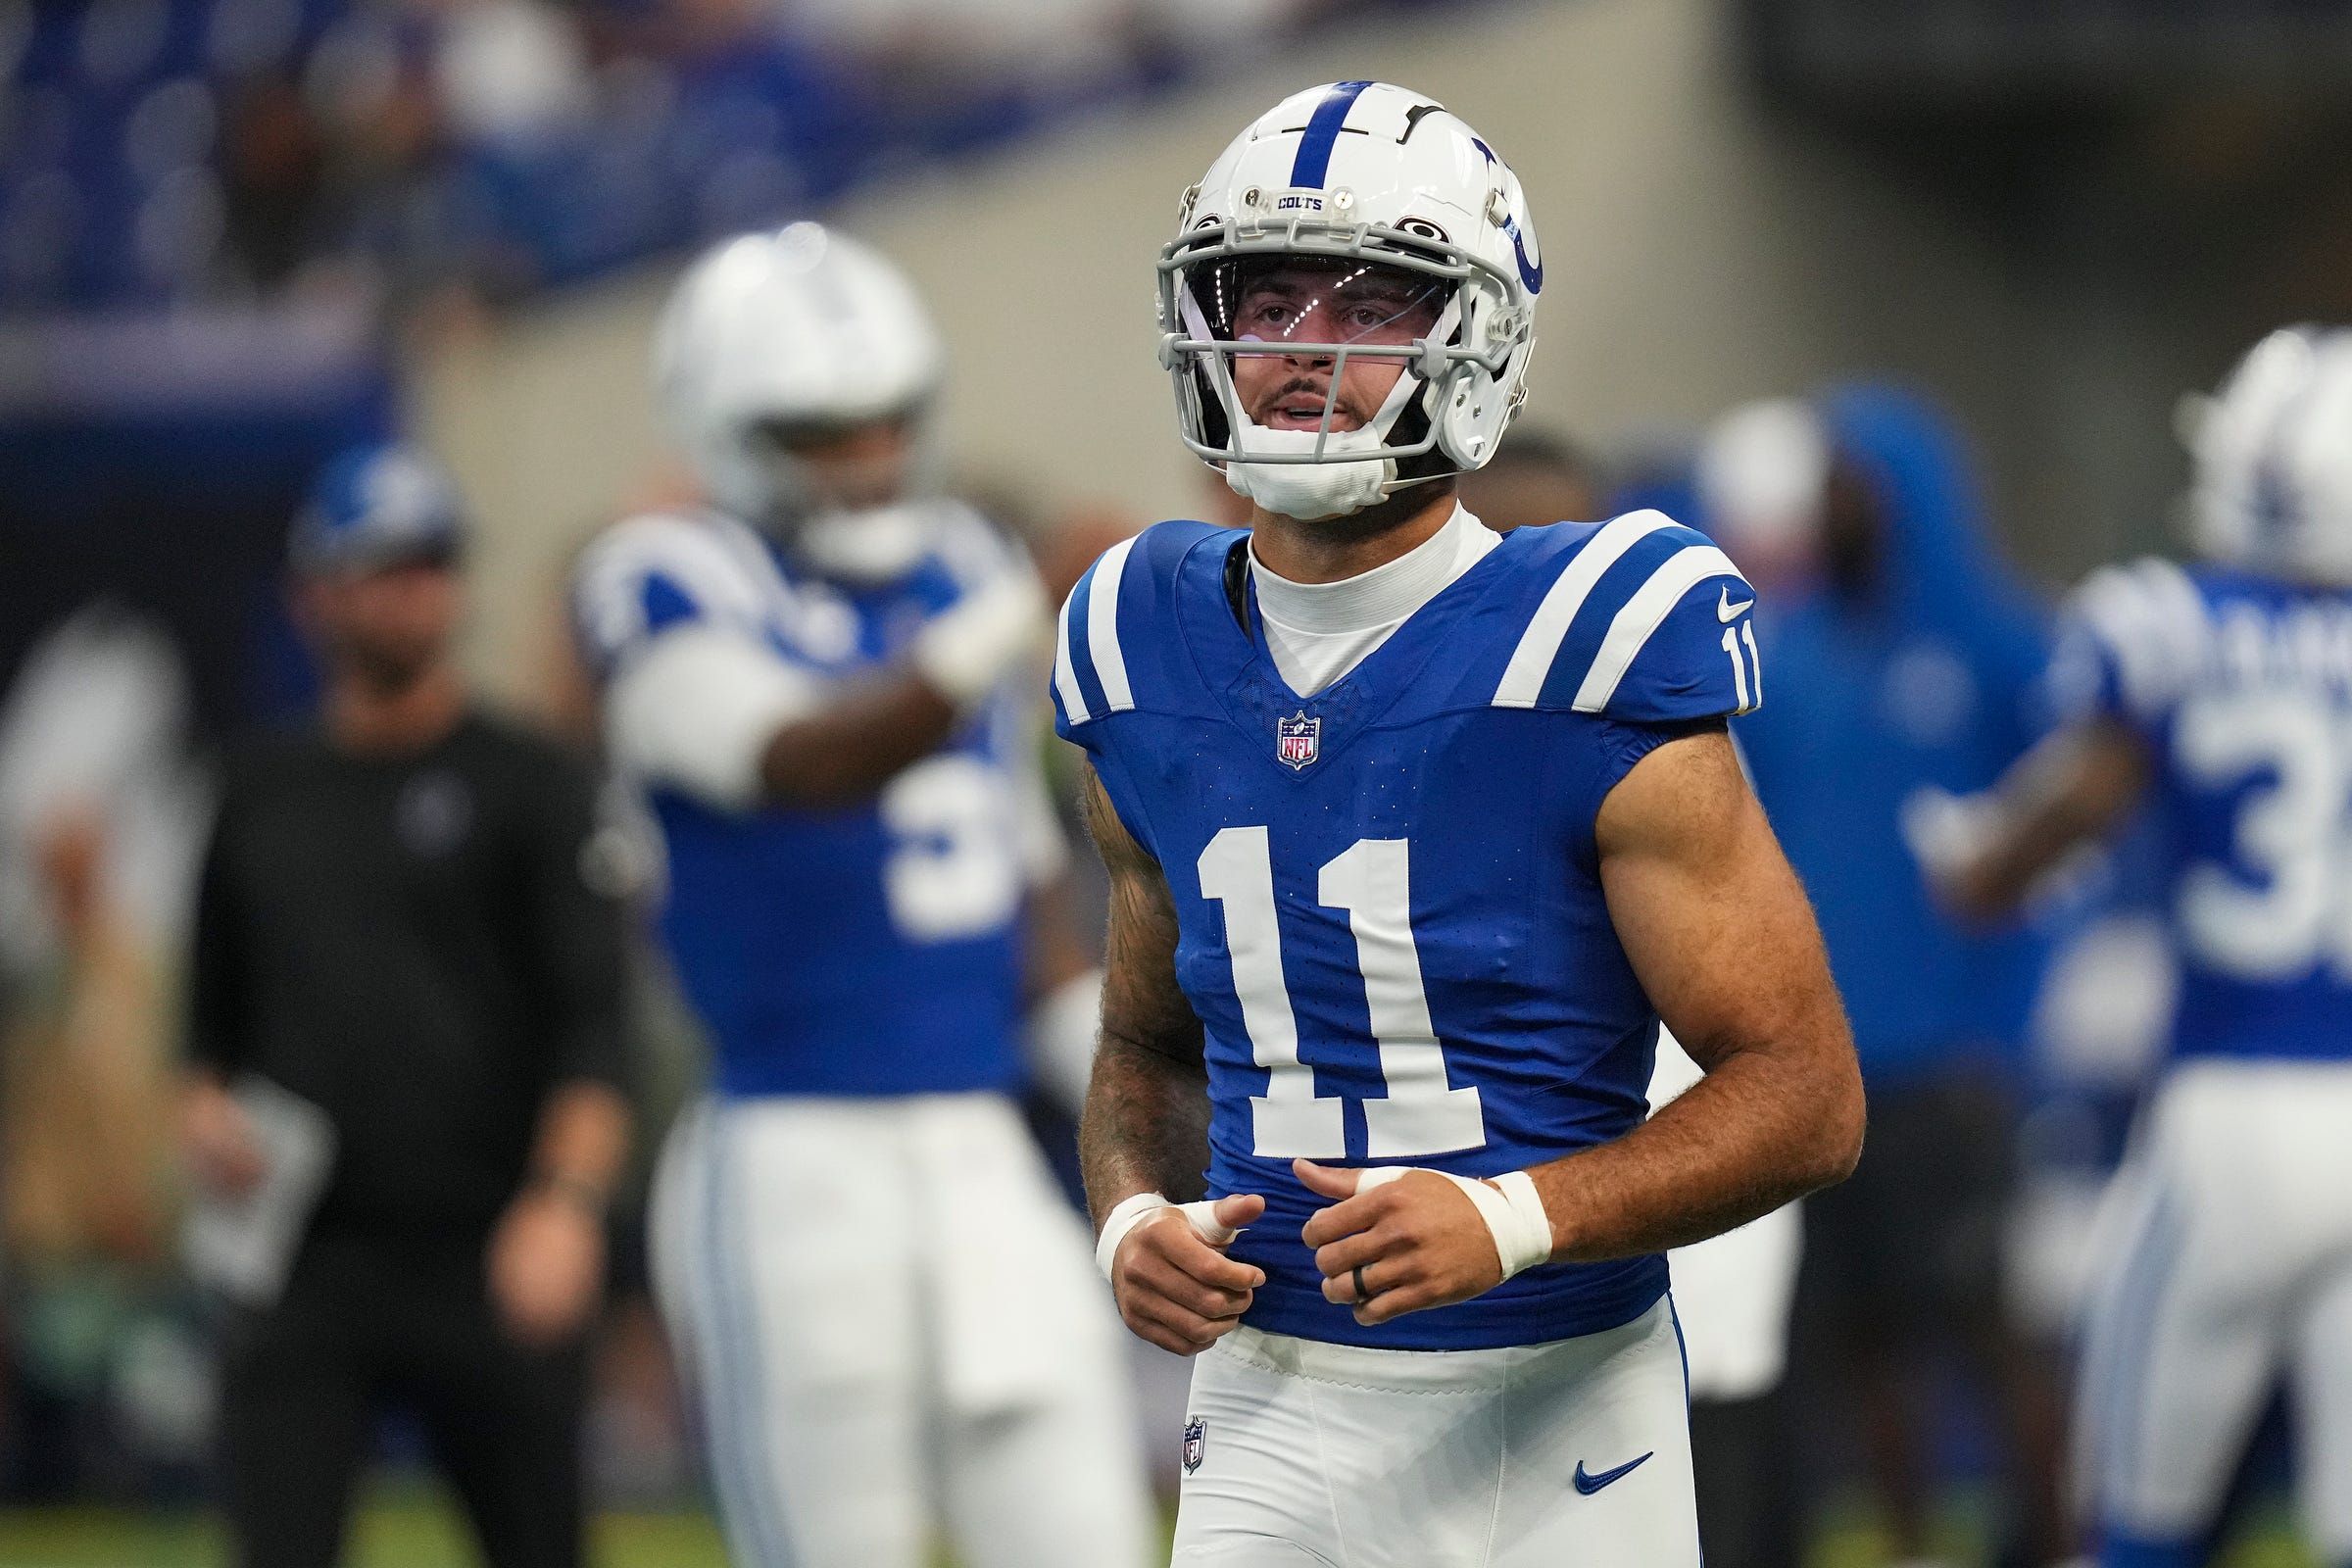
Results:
1323 131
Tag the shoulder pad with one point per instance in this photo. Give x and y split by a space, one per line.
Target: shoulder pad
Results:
2139 633
1643 619
654 571
1120 621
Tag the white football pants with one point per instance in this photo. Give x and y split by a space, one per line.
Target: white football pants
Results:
2226 1265
893 1323
1571 1454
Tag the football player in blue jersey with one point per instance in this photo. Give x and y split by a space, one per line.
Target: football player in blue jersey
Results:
2220 695
818 680
1416 832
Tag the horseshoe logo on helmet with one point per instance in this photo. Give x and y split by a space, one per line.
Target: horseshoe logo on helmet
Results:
1530 273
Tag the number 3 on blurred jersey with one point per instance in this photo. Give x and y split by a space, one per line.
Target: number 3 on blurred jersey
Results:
952 873
2293 834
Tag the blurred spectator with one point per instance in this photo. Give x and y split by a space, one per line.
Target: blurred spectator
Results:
1906 667
402 922
98 819
454 151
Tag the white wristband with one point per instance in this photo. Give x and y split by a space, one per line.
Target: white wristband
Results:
1510 1205
1133 1211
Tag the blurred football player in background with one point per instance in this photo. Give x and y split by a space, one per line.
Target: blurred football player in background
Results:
1904 660
877 1289
1415 832
2221 693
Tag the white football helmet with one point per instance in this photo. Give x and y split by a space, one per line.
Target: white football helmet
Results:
2272 456
802 331
1361 178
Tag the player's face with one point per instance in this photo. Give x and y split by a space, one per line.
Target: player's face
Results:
386 625
1314 302
848 467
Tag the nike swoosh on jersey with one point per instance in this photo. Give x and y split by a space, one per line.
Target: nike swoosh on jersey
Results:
1726 611
1588 1483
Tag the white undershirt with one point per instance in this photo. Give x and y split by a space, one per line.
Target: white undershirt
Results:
1319 631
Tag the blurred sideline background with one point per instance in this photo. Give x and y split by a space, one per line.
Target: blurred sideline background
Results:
236 234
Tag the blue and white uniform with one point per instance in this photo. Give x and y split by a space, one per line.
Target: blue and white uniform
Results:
1392 930
871 949
2230 1237
886 1301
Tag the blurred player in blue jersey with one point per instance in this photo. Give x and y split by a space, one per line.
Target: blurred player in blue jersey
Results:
1415 833
819 681
2221 694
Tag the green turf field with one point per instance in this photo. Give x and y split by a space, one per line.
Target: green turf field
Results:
410 1527
402 1527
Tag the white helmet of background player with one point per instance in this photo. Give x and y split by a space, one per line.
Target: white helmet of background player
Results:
772 340
2273 454
1359 179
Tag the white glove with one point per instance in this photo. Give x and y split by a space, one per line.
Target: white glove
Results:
973 644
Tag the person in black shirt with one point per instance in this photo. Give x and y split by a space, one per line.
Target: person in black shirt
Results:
400 920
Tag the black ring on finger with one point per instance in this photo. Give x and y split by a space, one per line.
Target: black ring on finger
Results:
1357 1274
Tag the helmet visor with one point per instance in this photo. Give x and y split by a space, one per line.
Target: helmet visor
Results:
1304 303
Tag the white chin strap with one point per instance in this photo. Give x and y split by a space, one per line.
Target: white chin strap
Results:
1330 488
868 544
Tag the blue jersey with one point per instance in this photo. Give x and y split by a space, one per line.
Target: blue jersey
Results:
866 949
2241 686
1387 894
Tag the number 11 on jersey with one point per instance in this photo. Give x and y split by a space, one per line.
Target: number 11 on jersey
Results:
1371 880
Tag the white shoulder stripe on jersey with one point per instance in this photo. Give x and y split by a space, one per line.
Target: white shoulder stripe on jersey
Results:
1523 679
1641 615
2153 622
1102 629
1066 674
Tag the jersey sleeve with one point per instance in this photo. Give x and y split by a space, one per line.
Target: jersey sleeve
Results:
693 690
2130 641
1645 622
1108 644
1091 674
649 577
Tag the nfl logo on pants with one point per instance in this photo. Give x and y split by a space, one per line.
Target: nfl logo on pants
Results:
1296 740
1196 1442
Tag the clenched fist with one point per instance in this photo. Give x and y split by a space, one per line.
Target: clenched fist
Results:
1174 1288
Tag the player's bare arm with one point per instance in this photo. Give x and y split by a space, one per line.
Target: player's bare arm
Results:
1146 1127
847 750
2072 788
1720 933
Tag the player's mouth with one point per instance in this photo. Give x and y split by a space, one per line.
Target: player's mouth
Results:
1304 411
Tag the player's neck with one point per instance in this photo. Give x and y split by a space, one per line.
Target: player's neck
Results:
369 719
1333 549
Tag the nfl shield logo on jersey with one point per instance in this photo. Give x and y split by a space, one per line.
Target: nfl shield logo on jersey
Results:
1298 740
1196 1442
